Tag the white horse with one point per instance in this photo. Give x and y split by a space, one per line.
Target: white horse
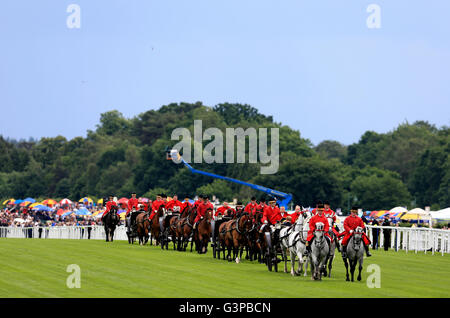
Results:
355 253
319 252
294 241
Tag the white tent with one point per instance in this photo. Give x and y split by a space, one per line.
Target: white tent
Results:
398 209
418 211
443 214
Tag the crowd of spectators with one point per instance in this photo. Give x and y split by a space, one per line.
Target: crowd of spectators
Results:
20 217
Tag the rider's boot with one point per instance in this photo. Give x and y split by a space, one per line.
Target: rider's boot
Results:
344 251
367 251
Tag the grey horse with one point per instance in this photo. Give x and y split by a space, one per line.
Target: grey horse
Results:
329 261
294 242
319 252
355 253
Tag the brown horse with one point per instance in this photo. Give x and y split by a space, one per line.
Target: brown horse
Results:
236 235
173 226
252 236
155 228
202 234
143 227
184 227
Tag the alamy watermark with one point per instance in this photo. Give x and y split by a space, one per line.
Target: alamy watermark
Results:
73 21
74 279
374 279
213 152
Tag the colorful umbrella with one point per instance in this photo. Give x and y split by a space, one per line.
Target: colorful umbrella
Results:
100 201
373 214
67 213
145 200
26 203
41 207
35 204
61 212
9 201
30 200
123 200
65 201
82 211
86 200
49 202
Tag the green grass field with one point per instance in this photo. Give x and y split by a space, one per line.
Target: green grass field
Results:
37 268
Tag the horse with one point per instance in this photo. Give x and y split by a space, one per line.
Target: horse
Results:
110 221
319 252
331 254
235 236
184 228
202 234
143 227
155 228
355 253
252 238
173 226
295 243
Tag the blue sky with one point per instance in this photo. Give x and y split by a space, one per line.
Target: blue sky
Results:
313 65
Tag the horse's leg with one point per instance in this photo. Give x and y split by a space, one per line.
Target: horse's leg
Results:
284 257
292 256
352 269
330 265
346 267
360 268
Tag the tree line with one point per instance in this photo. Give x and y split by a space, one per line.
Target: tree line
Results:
408 166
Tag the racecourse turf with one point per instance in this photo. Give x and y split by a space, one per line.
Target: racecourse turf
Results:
37 268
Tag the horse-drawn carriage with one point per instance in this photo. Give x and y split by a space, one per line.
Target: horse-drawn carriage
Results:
167 231
272 247
215 225
132 223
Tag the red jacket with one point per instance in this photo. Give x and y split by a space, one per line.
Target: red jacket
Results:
173 203
224 210
109 204
184 204
295 216
201 210
251 208
156 204
330 214
312 225
132 203
272 215
351 222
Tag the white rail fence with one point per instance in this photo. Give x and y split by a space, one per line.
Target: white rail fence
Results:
401 238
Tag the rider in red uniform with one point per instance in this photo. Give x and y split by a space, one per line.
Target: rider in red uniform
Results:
132 203
155 206
296 214
186 203
314 211
173 203
271 214
201 210
351 222
109 204
251 207
225 210
317 218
